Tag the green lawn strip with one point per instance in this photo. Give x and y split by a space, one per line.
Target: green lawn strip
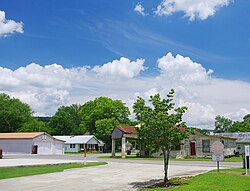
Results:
34 170
225 180
77 153
232 159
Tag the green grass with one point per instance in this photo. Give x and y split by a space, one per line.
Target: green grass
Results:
77 153
129 157
225 180
34 170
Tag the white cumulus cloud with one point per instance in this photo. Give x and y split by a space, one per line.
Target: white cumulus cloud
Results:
193 9
139 9
123 68
9 26
181 70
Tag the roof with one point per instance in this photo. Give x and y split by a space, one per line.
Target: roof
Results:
79 139
29 135
242 137
127 129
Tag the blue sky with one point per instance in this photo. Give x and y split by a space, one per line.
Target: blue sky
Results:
76 33
55 53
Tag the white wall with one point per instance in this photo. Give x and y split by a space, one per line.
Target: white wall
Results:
68 149
22 146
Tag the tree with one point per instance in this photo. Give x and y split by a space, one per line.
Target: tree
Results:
222 124
66 121
246 118
104 128
34 125
102 108
13 113
159 125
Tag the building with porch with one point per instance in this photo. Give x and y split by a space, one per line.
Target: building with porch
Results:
196 145
80 142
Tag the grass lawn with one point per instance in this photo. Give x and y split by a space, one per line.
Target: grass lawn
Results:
133 157
96 152
34 170
225 180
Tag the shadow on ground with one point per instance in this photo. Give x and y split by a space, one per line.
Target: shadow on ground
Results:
145 183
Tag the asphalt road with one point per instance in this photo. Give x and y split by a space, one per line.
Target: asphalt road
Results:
117 175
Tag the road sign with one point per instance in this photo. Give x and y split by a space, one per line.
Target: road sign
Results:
219 158
247 153
217 148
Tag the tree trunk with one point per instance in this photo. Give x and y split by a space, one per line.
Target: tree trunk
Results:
166 160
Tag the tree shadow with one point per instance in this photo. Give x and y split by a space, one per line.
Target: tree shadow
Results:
145 183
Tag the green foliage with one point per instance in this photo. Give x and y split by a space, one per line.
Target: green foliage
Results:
159 124
222 124
104 128
66 121
102 108
34 125
13 113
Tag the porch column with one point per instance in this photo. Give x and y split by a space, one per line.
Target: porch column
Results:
113 147
123 147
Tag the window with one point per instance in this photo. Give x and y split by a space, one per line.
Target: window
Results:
72 146
205 146
81 146
177 147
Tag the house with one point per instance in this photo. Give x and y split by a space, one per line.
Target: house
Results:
199 145
123 133
243 138
196 145
31 143
80 142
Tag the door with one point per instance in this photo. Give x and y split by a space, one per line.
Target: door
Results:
192 148
34 149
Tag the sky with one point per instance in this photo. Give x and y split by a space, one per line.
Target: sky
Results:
55 53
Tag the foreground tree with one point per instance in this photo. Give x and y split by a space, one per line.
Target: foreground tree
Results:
102 108
13 113
159 125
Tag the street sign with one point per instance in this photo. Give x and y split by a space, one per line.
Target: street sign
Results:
217 148
219 158
247 153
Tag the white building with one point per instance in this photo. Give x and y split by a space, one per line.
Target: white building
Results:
243 138
30 143
80 142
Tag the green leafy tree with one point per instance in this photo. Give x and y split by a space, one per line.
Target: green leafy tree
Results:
246 118
13 113
102 108
159 125
222 124
66 121
104 128
34 125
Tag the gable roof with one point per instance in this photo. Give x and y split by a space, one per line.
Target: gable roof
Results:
25 135
79 139
127 129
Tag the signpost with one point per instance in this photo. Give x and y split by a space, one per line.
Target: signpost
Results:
85 155
247 154
217 148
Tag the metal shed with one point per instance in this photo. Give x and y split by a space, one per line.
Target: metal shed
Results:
30 143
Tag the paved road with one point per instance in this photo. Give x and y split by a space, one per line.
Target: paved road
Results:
119 175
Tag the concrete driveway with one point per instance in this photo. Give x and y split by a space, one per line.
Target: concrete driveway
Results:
114 176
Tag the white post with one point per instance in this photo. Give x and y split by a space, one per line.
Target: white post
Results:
123 147
113 147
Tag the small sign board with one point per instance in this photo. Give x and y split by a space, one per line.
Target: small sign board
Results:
217 148
218 158
247 153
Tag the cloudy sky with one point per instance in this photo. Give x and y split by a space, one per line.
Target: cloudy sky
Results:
55 53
